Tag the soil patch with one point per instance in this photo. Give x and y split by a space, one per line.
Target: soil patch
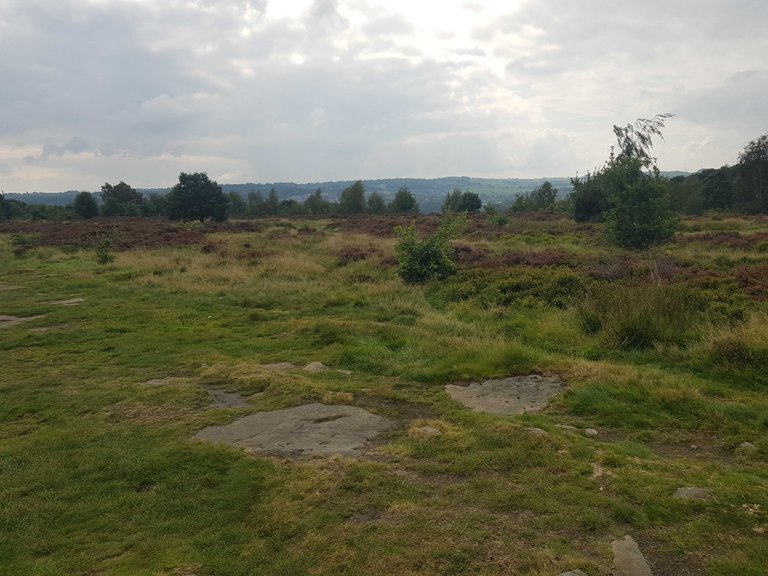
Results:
7 321
508 396
312 429
223 399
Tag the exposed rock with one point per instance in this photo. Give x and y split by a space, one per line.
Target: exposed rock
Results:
590 432
565 427
280 366
8 321
316 367
223 399
628 560
747 446
508 396
599 472
692 493
537 431
70 302
309 429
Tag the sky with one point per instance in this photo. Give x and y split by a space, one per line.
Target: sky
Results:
95 91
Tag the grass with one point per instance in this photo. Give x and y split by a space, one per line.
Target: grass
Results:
99 475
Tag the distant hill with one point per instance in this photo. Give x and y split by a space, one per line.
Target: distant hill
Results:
430 192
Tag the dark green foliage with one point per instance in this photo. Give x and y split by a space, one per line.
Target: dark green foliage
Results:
538 200
376 204
316 204
196 197
458 201
753 176
104 250
237 206
352 199
404 202
85 205
590 196
422 260
272 203
156 205
640 216
22 243
121 200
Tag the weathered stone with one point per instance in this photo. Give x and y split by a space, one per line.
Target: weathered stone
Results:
590 432
692 493
508 396
223 399
309 429
537 431
315 367
628 560
747 446
565 427
426 432
280 366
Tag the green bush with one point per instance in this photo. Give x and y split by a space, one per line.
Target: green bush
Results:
422 260
637 317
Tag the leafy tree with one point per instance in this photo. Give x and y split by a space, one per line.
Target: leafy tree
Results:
156 205
404 202
590 195
458 201
256 205
196 197
375 203
636 140
717 190
121 200
352 199
237 206
752 194
316 204
85 205
272 203
422 260
538 200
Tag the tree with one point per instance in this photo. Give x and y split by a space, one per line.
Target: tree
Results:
458 201
422 260
255 204
237 206
121 200
272 203
538 200
196 197
316 204
404 202
352 199
375 203
636 140
752 190
85 205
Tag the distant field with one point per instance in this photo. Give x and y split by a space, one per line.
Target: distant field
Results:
109 369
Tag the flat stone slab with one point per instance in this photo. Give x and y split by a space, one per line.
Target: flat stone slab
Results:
280 366
223 399
305 430
316 367
7 321
628 560
693 493
508 396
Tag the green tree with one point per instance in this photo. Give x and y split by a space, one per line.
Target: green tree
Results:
375 203
752 193
237 206
85 205
255 204
404 202
316 204
121 200
272 203
352 200
196 197
458 201
422 260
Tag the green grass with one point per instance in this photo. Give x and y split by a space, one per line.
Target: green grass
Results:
99 474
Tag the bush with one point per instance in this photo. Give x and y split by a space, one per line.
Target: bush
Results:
637 317
422 260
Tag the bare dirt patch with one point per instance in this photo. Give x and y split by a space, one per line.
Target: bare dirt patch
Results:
508 396
312 429
8 321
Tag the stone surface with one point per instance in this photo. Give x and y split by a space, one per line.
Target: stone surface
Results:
590 432
310 429
692 493
537 431
565 427
223 399
426 432
8 321
747 446
628 560
508 396
316 367
280 366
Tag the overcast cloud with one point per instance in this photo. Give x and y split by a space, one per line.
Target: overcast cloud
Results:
305 91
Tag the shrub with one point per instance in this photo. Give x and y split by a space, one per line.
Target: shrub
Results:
22 243
103 250
422 260
637 317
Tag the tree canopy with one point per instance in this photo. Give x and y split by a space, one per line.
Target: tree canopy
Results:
196 197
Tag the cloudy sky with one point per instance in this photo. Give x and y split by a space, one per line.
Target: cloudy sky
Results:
311 90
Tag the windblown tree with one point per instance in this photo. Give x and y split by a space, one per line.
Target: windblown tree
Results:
196 197
628 192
